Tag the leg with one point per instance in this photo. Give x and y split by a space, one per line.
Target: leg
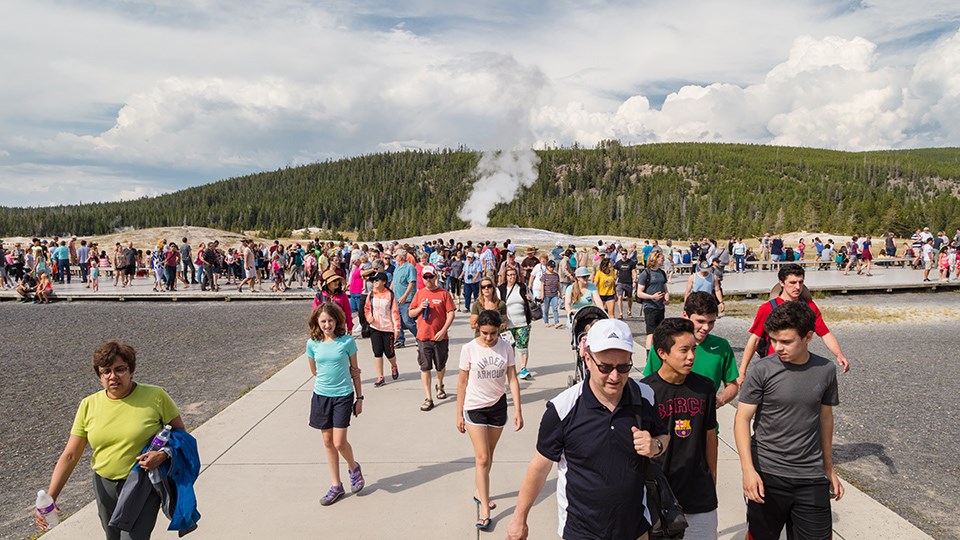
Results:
343 447
484 441
333 456
379 364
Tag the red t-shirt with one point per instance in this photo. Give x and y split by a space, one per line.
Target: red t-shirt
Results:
757 328
441 303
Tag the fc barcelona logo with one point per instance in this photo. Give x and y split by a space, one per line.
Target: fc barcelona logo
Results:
682 428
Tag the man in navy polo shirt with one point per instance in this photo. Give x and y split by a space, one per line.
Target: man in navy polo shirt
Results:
591 430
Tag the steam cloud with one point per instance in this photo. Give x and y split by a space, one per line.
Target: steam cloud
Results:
511 163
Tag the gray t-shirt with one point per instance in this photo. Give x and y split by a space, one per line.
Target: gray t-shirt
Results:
786 439
658 283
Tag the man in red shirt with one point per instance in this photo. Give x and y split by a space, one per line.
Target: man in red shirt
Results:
435 310
791 282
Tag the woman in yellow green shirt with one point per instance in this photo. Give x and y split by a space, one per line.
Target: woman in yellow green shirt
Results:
117 423
606 283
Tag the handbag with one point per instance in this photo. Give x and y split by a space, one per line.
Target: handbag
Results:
536 311
666 514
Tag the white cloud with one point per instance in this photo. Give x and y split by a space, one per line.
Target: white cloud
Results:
197 90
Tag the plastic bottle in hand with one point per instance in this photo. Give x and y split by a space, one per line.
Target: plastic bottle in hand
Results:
47 509
159 441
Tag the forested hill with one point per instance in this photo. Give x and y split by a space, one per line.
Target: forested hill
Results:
657 190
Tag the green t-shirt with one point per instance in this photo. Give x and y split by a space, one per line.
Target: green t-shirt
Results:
714 360
118 429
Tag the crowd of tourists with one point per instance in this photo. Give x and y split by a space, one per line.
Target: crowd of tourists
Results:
595 430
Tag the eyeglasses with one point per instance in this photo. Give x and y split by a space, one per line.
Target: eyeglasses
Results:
428 276
486 286
606 369
118 371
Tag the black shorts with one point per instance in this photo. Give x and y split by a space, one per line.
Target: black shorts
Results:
433 354
608 298
330 412
130 270
800 504
652 317
382 343
493 416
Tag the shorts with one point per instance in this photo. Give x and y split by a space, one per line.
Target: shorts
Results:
382 343
331 412
521 338
801 504
652 317
433 354
250 273
624 289
493 416
928 265
701 526
130 270
607 298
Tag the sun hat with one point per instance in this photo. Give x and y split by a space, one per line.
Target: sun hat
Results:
329 276
608 334
583 271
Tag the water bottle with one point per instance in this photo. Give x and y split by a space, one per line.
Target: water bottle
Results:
426 313
158 442
46 508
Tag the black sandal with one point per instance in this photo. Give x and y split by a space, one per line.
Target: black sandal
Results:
440 393
427 405
483 523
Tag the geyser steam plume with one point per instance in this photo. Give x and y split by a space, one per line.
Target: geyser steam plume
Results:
511 163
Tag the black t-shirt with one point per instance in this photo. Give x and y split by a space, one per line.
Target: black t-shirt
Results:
130 257
29 281
210 256
624 268
688 412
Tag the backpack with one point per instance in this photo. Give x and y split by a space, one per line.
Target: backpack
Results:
764 344
646 282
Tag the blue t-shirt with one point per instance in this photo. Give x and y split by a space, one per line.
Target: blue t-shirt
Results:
333 366
402 277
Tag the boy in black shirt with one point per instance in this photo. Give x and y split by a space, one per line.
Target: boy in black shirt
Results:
686 404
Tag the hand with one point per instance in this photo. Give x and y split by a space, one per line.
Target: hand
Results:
517 530
440 336
396 336
643 442
354 372
151 460
517 422
740 379
836 488
722 307
844 363
357 407
461 423
39 519
753 486
424 304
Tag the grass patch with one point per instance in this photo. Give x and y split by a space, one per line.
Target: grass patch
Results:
245 391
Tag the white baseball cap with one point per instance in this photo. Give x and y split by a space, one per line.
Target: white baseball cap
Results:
428 271
610 334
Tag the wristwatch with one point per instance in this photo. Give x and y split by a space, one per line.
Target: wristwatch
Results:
360 398
659 448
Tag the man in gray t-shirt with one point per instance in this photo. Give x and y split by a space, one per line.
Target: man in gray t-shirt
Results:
788 475
652 290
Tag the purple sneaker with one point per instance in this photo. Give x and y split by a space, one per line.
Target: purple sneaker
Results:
356 480
332 496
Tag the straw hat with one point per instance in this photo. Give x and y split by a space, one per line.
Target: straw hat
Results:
329 276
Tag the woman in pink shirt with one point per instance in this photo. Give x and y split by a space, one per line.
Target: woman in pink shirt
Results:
486 364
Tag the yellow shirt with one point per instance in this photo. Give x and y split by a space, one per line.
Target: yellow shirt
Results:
118 429
606 283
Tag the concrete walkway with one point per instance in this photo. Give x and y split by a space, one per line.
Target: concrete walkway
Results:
751 283
264 468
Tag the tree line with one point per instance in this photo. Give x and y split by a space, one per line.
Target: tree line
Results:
655 190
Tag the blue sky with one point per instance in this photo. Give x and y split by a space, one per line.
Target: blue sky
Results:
107 100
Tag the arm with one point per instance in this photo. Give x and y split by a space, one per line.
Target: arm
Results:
446 326
406 293
826 445
730 391
834 346
719 292
65 465
313 366
533 482
748 351
712 451
473 321
461 396
686 292
515 392
357 390
596 299
752 484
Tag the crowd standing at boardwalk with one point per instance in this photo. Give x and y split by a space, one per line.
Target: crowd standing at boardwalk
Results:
667 419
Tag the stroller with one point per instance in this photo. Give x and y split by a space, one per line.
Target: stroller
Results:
582 320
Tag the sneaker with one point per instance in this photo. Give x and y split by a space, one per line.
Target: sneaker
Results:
380 382
399 344
394 372
524 373
333 495
356 479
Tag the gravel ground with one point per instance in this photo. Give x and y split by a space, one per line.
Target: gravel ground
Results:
204 354
898 422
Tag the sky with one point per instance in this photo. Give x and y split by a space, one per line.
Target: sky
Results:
106 100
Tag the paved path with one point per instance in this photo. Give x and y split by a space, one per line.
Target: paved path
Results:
264 468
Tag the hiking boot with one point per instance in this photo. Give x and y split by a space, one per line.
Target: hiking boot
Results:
333 495
356 479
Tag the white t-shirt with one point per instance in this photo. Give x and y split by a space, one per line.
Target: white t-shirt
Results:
488 372
537 271
516 314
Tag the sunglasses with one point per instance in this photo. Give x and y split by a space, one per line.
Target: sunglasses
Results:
428 276
486 286
606 369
